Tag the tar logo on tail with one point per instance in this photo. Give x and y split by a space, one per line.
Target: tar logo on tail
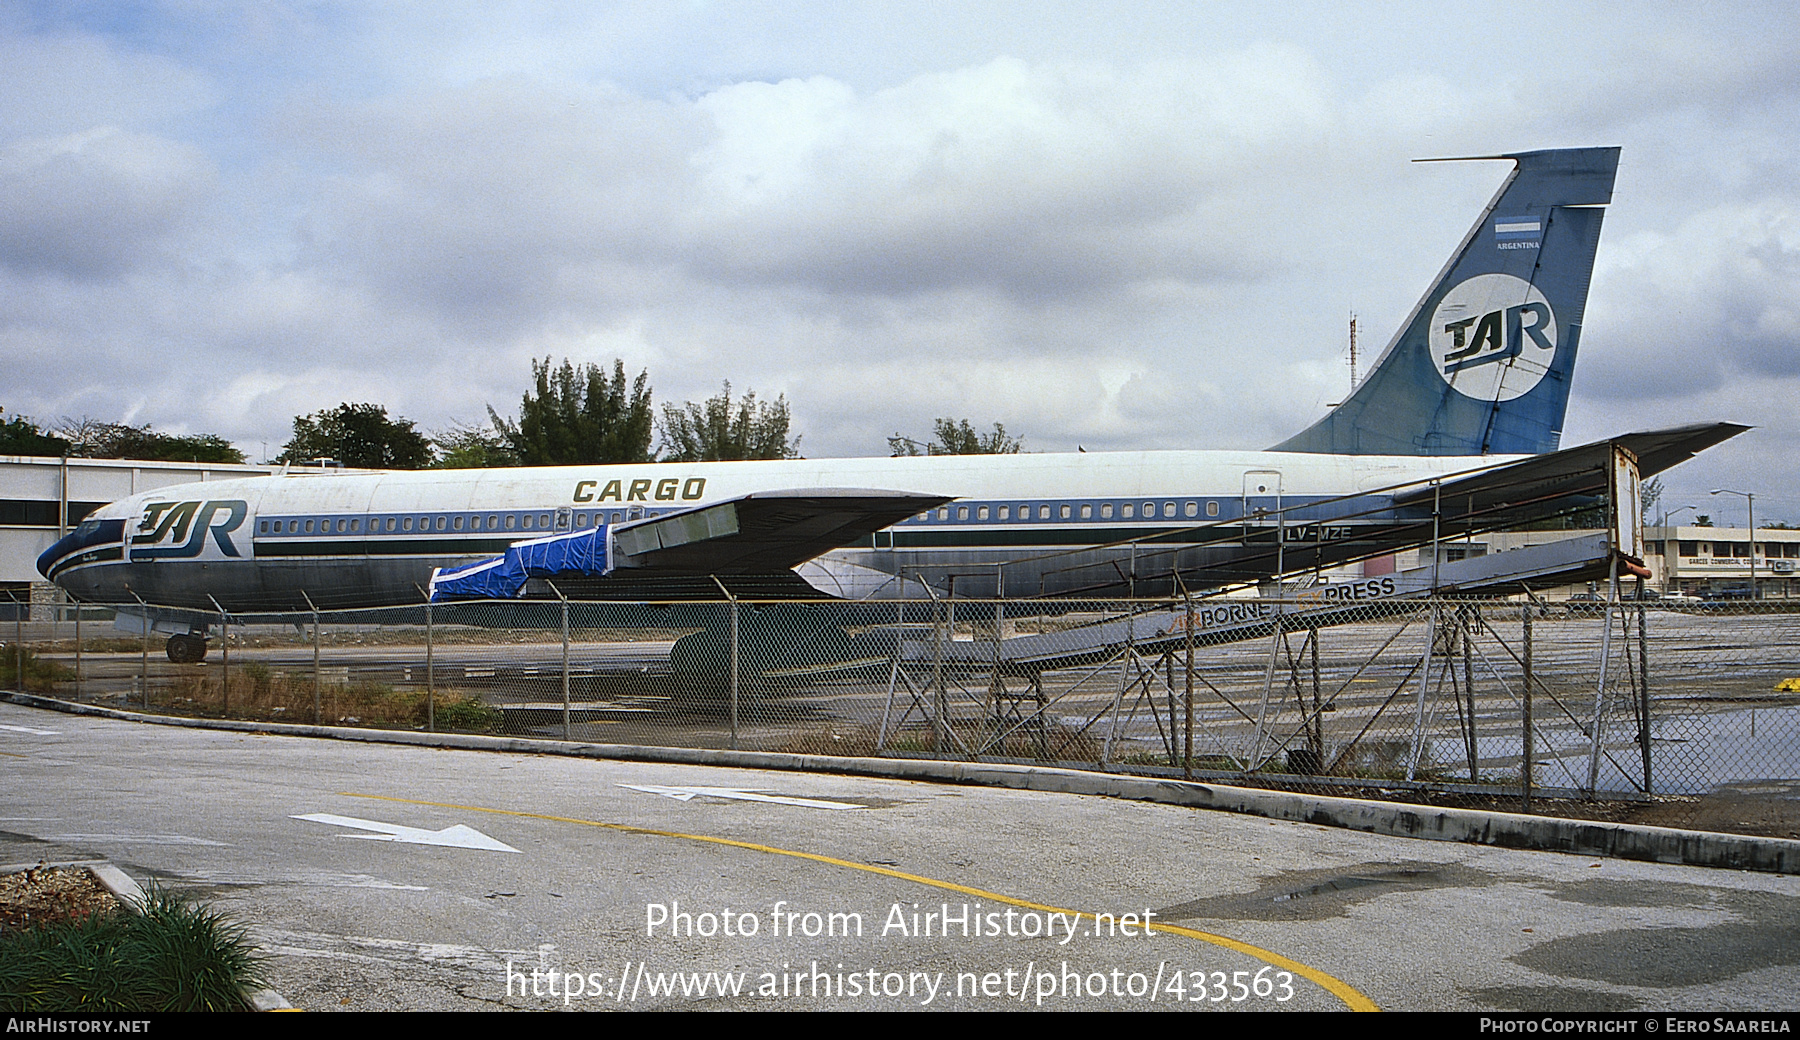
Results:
178 530
1493 337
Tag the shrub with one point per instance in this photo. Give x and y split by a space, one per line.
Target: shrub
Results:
174 956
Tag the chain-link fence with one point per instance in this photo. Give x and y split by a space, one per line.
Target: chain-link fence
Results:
1673 714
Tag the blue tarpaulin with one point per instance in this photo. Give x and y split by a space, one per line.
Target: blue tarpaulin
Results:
502 577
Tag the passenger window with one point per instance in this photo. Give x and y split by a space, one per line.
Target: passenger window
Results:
981 513
962 512
1006 512
1106 511
390 523
1127 510
1212 509
309 527
1149 510
511 522
944 514
1087 512
1192 509
262 527
1168 509
356 525
1043 512
441 522
1063 511
406 523
526 522
456 523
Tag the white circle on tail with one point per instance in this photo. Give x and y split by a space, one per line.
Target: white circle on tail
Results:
1493 337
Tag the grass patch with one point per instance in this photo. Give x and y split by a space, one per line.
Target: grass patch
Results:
174 956
261 693
39 674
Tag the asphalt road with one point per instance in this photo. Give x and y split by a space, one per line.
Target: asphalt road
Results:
1263 915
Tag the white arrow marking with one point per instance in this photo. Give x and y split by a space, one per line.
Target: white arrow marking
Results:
682 794
457 837
28 729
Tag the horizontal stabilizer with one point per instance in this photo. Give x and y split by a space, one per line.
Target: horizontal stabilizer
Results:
1532 487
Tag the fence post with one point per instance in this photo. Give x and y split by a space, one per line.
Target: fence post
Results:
224 658
1525 764
19 639
567 729
315 641
143 651
1644 690
1466 632
430 684
1187 751
78 651
735 650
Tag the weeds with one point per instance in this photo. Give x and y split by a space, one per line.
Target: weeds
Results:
39 673
259 692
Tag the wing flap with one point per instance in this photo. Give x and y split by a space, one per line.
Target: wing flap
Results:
765 532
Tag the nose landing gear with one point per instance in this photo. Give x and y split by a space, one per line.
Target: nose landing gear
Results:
187 648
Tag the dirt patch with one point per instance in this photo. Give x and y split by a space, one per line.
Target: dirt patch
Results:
51 895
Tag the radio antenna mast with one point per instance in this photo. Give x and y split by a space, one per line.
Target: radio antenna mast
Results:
1353 350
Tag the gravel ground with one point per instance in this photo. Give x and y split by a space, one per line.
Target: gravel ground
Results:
48 895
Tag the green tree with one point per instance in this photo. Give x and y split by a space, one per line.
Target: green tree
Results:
472 447
579 416
20 436
718 430
358 435
92 439
957 438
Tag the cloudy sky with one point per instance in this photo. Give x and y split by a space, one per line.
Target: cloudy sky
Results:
1115 225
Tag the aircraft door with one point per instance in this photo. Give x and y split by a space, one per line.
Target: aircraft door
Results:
1261 504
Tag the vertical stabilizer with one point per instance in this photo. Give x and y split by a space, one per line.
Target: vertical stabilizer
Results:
1483 363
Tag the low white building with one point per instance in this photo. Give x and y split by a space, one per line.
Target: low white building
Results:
42 499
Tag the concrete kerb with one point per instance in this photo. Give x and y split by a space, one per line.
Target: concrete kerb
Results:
1505 830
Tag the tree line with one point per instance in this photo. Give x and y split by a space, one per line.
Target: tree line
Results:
572 415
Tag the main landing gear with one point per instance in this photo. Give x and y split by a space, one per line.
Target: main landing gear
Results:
187 648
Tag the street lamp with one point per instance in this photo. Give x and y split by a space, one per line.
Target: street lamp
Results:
1750 501
1667 513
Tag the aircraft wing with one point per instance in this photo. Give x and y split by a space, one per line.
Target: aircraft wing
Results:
1532 489
762 533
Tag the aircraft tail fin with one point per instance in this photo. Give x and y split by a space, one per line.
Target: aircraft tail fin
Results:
1483 363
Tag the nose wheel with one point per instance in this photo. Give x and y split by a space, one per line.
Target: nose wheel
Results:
187 649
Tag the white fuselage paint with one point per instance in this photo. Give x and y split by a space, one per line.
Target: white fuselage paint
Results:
394 526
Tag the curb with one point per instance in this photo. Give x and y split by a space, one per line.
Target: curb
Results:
1470 826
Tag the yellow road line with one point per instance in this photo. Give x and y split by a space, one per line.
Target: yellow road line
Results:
1353 998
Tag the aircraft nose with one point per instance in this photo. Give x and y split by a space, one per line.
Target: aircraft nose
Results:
92 540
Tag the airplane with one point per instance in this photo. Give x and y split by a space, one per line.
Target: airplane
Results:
1455 430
